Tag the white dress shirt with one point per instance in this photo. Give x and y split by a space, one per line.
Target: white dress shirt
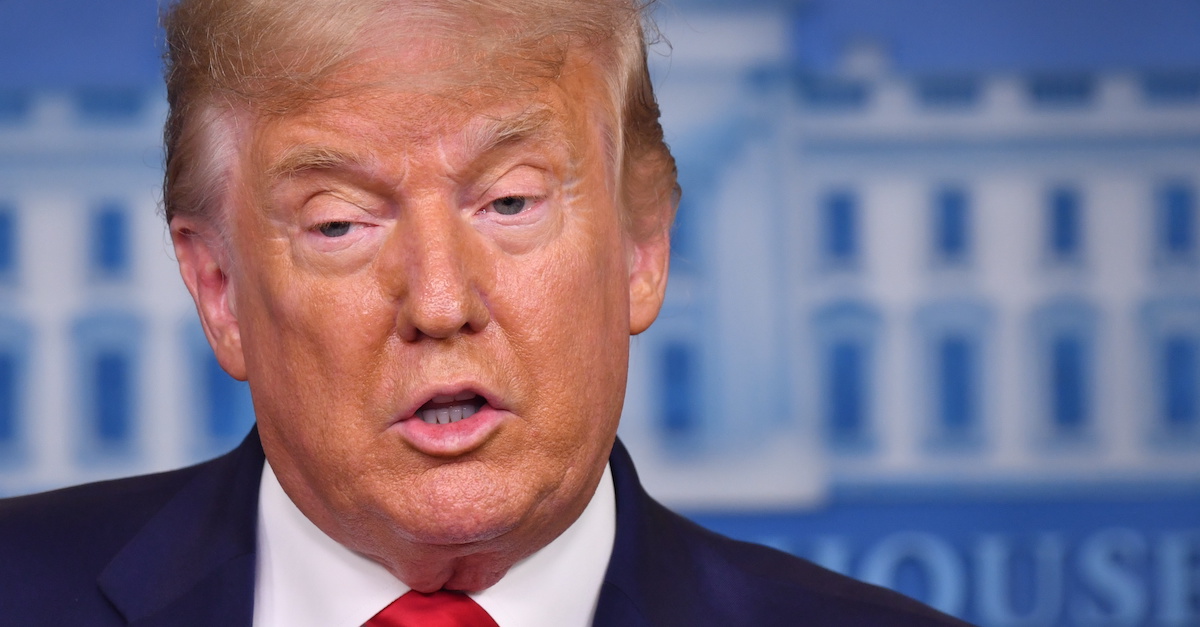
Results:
305 579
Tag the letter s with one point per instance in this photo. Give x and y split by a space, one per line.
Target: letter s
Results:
1106 560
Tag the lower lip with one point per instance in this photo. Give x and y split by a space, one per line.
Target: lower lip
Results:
454 439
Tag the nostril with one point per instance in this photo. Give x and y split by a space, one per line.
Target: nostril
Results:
438 320
441 319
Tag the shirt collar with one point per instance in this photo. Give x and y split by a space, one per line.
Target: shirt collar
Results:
306 579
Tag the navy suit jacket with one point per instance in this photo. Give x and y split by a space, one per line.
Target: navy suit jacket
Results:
177 549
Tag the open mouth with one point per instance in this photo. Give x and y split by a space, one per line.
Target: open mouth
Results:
447 409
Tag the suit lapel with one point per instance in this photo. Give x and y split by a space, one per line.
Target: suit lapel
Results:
622 597
650 580
193 563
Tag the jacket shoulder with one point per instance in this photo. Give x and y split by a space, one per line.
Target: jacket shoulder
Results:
54 545
82 519
757 585
666 570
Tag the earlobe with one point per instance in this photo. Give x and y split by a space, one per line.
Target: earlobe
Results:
652 198
202 265
649 266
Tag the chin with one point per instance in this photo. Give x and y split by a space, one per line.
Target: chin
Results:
473 581
455 550
455 530
461 504
464 578
458 520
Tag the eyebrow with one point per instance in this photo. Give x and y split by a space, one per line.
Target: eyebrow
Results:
531 123
306 157
493 133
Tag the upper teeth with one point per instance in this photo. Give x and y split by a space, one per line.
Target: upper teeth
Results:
465 395
447 415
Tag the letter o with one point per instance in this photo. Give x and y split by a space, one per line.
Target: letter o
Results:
944 570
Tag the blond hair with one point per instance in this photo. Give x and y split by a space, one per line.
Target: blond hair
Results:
226 57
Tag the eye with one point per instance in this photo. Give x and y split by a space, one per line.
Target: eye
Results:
334 229
510 205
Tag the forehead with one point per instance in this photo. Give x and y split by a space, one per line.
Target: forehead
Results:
460 61
406 87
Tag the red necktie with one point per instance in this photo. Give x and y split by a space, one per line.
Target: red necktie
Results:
440 609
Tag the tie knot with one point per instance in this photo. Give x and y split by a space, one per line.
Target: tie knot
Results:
439 609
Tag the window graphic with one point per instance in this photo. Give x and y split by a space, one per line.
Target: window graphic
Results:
953 335
958 404
1066 342
679 414
1173 337
10 389
108 346
1069 382
110 256
846 383
832 93
846 335
230 412
1171 88
951 225
1064 225
223 410
14 106
8 241
110 105
683 233
1180 376
14 348
840 229
1062 90
948 92
1176 227
112 385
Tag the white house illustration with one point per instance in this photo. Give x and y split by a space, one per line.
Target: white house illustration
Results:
887 275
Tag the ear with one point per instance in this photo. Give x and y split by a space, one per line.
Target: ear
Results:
650 255
202 263
649 265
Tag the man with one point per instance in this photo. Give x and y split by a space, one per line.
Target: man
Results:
424 233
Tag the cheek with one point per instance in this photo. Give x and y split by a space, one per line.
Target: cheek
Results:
570 322
577 293
307 341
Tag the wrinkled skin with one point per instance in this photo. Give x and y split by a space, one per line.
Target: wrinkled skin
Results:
381 254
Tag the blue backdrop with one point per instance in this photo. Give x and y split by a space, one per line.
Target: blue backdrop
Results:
934 313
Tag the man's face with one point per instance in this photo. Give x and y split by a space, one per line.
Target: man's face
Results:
405 258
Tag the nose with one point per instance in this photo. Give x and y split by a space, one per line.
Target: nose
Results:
437 275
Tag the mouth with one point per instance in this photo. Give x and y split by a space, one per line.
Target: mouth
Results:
448 409
453 422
